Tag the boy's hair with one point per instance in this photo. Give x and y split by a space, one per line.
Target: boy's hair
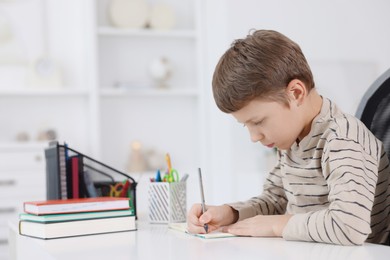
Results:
259 66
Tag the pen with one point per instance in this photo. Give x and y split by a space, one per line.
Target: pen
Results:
184 178
168 159
206 226
158 176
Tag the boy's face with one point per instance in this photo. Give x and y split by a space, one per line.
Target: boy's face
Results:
271 123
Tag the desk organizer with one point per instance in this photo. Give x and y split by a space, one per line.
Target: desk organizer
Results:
167 202
71 174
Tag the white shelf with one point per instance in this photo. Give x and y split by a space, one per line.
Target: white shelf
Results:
8 146
43 92
109 92
111 31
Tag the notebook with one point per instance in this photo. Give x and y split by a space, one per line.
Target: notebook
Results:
182 227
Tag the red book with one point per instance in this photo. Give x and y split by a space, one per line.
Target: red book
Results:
75 205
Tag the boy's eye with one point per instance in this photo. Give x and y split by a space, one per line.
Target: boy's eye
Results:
254 123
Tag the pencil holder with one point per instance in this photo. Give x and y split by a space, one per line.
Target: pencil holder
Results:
167 202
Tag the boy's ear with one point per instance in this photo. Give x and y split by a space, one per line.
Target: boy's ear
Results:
296 91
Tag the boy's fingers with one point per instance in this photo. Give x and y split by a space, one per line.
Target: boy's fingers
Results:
195 229
205 218
225 229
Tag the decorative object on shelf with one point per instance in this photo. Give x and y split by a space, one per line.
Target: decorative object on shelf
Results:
44 72
47 135
22 137
128 13
162 17
155 159
137 162
161 71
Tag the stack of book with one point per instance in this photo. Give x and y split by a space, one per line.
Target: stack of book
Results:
76 217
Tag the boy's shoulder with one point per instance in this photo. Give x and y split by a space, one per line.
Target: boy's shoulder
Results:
337 124
341 130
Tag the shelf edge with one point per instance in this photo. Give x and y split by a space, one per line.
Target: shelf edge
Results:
111 31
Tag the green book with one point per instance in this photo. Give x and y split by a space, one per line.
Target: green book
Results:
74 228
52 218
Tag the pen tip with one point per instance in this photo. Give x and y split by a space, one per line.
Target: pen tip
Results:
206 228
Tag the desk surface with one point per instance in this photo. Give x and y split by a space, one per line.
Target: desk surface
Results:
159 242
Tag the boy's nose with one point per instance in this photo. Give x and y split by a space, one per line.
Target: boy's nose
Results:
257 137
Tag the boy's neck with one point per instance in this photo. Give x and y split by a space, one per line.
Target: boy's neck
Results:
313 105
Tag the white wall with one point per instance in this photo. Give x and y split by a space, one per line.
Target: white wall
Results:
346 43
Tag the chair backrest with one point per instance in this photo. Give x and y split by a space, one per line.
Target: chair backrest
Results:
374 109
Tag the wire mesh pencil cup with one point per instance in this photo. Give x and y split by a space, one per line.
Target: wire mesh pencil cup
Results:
167 202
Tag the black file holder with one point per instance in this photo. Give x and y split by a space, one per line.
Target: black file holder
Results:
101 178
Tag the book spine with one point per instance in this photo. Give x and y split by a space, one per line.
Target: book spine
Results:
69 177
52 172
63 183
75 177
82 185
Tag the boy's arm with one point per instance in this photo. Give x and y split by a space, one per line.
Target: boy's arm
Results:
259 226
352 176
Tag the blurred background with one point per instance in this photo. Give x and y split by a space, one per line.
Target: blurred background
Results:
126 81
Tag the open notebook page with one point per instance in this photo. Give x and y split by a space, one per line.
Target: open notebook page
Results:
183 228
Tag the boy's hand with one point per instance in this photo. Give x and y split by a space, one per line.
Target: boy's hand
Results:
215 217
259 226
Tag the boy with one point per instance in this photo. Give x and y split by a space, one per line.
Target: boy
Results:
332 180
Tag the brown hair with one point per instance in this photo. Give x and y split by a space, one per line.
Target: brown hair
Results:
259 66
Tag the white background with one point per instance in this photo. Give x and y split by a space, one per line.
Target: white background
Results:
347 44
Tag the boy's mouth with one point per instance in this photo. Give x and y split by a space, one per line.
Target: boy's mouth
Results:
270 145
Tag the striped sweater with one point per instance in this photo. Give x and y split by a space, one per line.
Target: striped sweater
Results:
335 183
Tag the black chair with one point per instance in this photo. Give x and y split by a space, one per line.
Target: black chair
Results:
374 109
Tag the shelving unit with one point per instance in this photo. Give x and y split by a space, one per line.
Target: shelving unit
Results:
45 31
166 120
88 112
19 182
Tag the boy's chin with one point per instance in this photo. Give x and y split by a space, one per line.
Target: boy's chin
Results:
283 147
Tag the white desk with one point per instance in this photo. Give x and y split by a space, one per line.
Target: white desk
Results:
159 242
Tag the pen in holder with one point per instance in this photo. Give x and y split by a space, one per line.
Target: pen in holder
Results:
167 202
